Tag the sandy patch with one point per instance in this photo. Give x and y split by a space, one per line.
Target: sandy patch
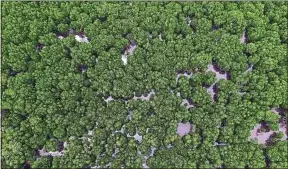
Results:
43 152
187 104
136 137
183 128
144 98
243 38
129 51
262 137
144 165
110 98
249 69
219 76
60 37
188 75
81 38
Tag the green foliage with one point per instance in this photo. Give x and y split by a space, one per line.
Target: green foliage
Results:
53 90
43 162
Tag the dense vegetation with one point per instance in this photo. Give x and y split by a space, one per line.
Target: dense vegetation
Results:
53 89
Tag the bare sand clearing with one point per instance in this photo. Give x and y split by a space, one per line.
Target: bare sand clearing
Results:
127 53
115 152
110 98
183 128
187 104
43 152
81 39
262 137
136 137
188 75
249 69
211 91
153 149
274 110
144 98
121 130
144 165
60 37
160 37
124 59
219 76
188 19
243 38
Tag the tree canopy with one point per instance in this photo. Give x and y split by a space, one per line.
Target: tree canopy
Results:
69 101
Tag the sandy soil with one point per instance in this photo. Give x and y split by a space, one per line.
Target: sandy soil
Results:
78 38
153 149
183 128
243 38
110 98
183 74
136 137
218 77
143 98
60 37
186 103
127 53
261 137
249 69
43 152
